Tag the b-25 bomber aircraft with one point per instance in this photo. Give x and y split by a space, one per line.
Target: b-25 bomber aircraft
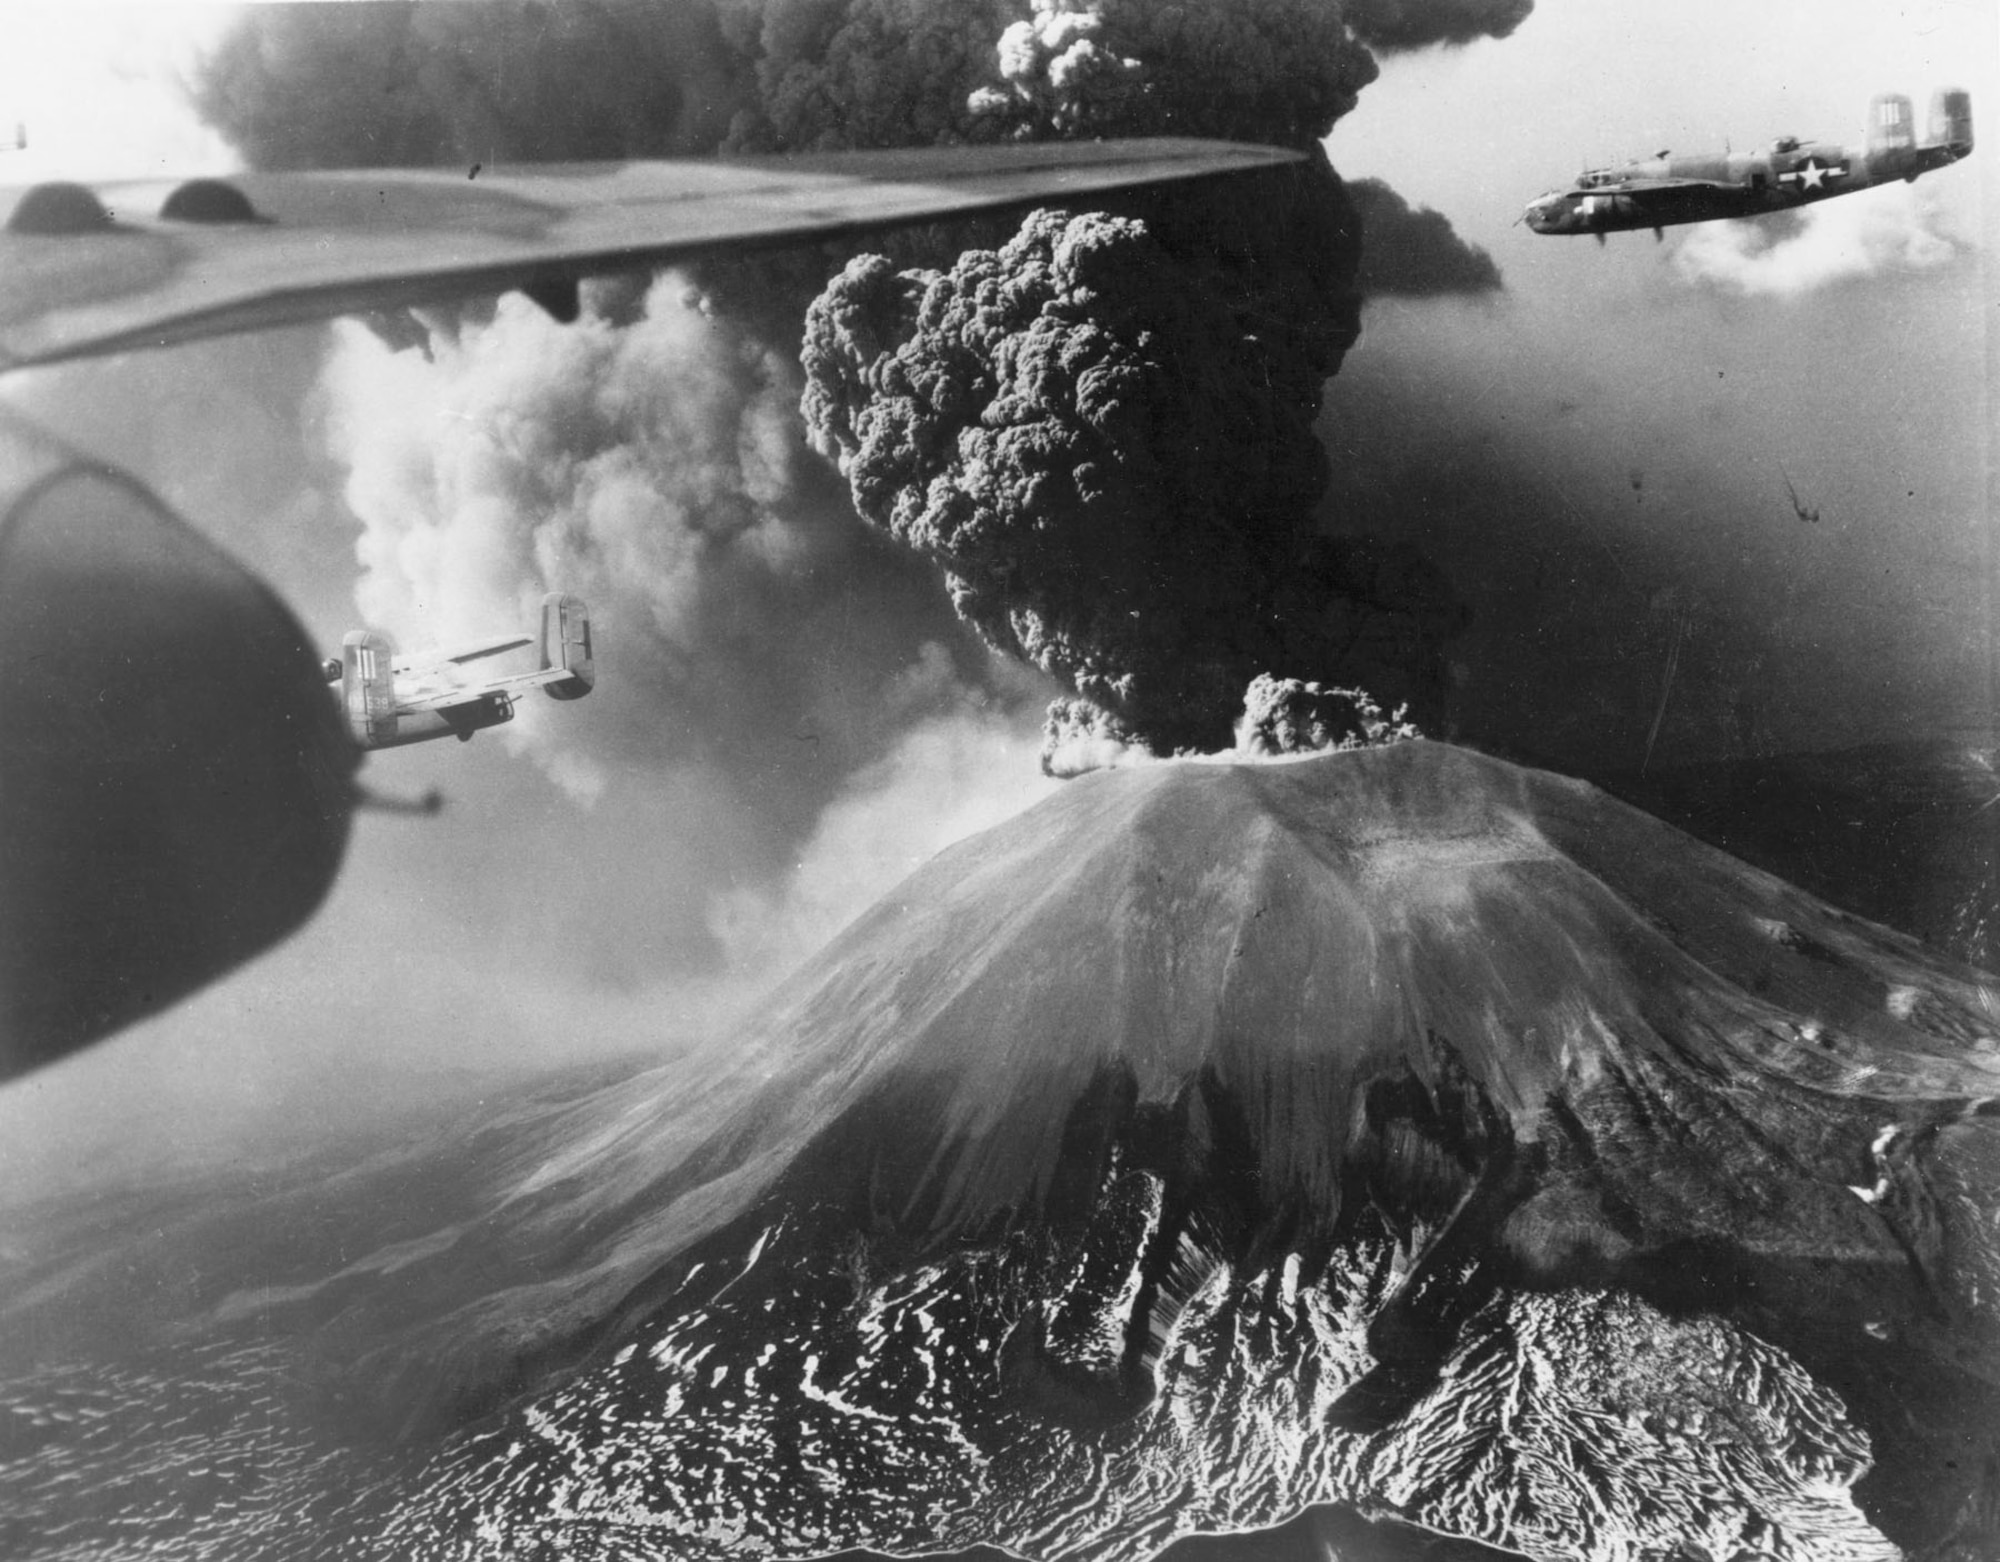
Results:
390 701
1789 173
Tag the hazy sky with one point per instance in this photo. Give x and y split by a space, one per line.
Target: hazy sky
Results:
1599 455
1625 419
97 89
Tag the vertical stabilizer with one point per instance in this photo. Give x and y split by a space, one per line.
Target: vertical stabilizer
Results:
367 688
566 644
1951 121
1892 123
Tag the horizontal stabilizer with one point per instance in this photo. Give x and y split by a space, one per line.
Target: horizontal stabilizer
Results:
458 655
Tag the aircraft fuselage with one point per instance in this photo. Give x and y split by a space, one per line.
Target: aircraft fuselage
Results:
1789 173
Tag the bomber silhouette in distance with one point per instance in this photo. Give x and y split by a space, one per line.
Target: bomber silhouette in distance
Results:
390 701
1662 190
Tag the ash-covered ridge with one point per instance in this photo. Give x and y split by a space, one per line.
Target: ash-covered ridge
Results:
1398 1132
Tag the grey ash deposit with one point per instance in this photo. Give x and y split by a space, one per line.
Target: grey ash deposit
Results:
1396 1133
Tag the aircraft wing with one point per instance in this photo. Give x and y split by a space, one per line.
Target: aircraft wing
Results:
1663 189
444 699
104 270
461 654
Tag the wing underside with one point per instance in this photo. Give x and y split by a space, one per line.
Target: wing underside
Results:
1661 192
444 699
97 271
1670 189
459 655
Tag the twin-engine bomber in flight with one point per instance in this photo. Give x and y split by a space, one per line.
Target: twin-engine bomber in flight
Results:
390 701
1789 173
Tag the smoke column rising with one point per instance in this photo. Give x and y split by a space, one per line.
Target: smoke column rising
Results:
1413 251
949 775
1398 25
1100 430
651 469
762 650
795 681
393 85
655 467
1275 276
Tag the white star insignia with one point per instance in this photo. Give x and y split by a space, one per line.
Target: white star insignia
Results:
1812 173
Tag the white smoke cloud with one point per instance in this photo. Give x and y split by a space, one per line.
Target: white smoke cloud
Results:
1276 70
947 777
755 653
652 468
97 91
1056 60
1068 758
1893 228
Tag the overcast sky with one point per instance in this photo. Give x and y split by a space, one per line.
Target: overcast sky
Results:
1601 456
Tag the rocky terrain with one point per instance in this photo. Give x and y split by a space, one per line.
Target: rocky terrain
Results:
1396 1153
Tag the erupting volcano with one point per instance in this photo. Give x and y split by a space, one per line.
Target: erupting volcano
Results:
1397 1133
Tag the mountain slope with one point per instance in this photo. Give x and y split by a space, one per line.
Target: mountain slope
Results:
1401 1131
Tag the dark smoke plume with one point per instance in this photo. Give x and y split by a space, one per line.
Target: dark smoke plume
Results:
1280 71
832 74
516 80
1391 25
1101 438
1288 716
1184 561
1413 251
319 86
1101 429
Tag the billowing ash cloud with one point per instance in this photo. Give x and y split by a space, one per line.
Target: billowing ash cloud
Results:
1417 24
1897 228
652 470
966 762
1101 429
1414 251
301 86
650 457
858 73
369 84
1289 716
1101 439
1274 70
748 627
1079 737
